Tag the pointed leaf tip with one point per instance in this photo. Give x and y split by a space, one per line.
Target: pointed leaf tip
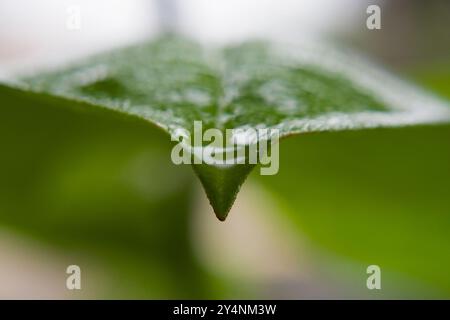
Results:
222 184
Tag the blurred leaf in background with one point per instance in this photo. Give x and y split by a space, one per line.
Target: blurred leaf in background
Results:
101 186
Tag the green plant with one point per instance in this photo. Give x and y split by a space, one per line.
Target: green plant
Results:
169 83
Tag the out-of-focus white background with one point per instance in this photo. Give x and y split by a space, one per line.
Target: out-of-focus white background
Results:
34 33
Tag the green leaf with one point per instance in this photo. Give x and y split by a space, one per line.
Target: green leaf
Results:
171 82
373 197
222 185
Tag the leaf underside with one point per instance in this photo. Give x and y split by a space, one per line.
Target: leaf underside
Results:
172 81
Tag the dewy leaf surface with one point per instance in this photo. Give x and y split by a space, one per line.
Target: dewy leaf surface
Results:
171 82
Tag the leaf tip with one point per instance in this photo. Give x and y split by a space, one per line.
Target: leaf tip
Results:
221 185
